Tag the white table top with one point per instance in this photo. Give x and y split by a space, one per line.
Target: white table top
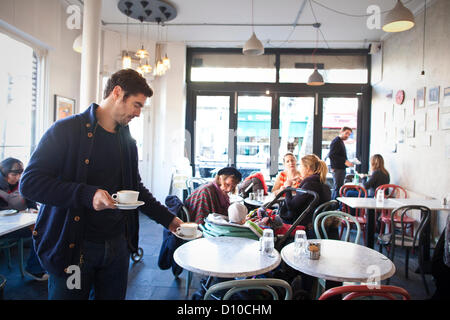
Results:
370 203
226 257
342 261
15 222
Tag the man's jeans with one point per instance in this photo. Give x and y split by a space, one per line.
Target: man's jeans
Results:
104 273
338 181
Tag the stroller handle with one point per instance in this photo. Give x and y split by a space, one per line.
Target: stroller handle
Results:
311 205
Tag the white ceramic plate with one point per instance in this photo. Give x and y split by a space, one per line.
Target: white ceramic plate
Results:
8 212
129 206
198 235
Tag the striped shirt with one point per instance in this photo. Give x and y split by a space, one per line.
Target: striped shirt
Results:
203 201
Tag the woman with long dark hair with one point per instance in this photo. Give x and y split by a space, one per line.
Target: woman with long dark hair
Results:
10 198
379 175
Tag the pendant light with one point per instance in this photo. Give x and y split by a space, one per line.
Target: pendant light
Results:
315 79
146 67
78 43
166 60
253 47
126 59
141 53
398 19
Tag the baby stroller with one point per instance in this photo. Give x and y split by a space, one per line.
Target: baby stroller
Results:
281 239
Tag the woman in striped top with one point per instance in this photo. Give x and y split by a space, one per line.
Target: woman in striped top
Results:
290 176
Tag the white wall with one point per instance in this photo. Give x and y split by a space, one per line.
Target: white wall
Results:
423 170
169 105
44 22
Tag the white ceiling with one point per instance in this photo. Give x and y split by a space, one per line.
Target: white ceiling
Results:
339 30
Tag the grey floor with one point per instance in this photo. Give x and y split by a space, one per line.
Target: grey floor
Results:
147 282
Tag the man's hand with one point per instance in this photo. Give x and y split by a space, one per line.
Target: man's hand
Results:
349 164
102 200
176 222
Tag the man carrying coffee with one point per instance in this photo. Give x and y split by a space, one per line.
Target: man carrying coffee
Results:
79 162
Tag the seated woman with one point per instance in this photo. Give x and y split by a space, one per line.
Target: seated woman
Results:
213 197
289 176
313 172
379 175
11 170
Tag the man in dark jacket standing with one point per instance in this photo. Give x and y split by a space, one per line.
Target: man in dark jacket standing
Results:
338 159
78 163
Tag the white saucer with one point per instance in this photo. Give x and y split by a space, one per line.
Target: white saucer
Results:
8 212
129 206
198 235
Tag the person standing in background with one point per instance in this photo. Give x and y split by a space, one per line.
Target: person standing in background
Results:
338 159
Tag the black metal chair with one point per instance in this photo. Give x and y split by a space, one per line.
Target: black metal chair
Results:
398 237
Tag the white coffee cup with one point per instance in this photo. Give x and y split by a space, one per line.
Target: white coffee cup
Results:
126 196
188 229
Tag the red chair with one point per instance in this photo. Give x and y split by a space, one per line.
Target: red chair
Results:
357 291
394 191
359 213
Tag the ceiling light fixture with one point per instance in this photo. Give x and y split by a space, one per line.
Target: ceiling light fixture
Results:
126 59
315 79
253 47
398 19
78 43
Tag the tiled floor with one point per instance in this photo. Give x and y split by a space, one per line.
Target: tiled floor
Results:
147 282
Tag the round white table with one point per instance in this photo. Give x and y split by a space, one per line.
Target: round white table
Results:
341 261
225 257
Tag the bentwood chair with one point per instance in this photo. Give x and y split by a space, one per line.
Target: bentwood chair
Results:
235 286
345 218
194 183
394 191
357 291
398 238
357 191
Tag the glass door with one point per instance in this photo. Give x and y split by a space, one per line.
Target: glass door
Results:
296 131
254 114
211 134
339 112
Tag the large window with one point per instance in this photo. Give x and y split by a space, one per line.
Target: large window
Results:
334 69
18 99
233 68
248 112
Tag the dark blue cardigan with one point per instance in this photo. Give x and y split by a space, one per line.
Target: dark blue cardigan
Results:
56 177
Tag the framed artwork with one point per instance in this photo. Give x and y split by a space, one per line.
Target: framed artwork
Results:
432 119
446 97
420 99
421 122
433 96
445 121
64 107
410 129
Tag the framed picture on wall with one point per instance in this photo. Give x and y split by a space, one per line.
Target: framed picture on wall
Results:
420 99
64 107
446 102
410 129
433 96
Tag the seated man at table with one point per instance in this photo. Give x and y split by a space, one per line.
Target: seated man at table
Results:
213 197
11 170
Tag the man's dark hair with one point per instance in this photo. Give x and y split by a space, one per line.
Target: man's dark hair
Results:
346 128
131 82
